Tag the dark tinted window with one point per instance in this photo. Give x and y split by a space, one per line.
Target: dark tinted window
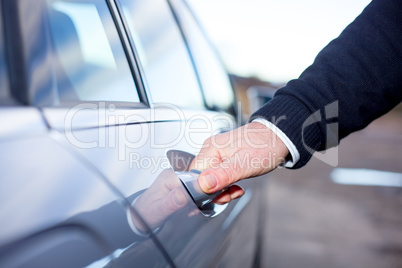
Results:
90 62
163 53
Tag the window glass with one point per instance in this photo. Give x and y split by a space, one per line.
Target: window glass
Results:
163 53
4 91
90 62
215 82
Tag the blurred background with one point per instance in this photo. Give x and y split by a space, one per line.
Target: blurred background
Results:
319 216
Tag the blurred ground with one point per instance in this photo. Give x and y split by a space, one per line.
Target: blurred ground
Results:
314 222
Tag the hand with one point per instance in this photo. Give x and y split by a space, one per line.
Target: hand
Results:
163 198
245 152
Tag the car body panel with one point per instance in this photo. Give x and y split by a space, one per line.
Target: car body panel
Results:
67 212
133 156
88 183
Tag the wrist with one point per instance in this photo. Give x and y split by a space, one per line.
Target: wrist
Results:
271 145
293 154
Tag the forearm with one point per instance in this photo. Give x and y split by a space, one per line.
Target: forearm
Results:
358 76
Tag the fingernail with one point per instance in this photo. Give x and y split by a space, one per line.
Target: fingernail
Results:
237 195
210 181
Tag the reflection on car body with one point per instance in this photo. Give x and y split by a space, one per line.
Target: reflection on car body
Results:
93 93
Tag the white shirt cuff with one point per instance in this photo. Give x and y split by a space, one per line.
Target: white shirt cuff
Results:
288 143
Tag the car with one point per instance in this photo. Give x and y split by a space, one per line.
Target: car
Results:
103 105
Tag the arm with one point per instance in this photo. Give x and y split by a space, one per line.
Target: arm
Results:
355 79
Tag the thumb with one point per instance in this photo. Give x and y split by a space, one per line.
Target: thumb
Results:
219 177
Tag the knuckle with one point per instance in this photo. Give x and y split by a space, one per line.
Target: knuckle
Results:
227 176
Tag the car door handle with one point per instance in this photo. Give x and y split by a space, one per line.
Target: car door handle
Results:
190 182
180 162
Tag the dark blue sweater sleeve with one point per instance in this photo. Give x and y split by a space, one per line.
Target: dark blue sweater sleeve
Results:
355 79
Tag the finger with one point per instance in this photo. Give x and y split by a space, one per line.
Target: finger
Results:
172 202
208 156
205 160
168 178
194 212
218 177
232 193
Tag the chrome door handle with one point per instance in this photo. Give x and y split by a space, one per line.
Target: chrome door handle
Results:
190 182
180 162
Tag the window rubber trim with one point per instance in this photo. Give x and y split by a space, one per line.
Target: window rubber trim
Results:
131 53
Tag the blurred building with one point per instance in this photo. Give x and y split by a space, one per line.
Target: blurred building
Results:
252 93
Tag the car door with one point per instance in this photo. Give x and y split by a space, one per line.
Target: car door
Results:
190 241
117 103
58 210
240 229
249 225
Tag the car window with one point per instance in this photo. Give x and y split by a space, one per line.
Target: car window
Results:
90 62
215 82
163 54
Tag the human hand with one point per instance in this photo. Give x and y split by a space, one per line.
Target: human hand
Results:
163 198
249 151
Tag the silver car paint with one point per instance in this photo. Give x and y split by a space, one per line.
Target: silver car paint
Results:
61 186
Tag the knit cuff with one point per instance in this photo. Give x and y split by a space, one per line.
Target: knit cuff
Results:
296 121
